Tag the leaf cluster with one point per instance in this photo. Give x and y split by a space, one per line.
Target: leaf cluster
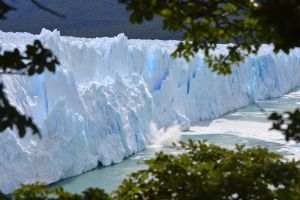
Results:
4 9
211 172
41 192
35 60
245 24
288 123
10 117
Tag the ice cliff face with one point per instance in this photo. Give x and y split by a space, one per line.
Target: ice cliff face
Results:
98 106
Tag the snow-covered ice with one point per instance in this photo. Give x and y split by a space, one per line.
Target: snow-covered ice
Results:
99 105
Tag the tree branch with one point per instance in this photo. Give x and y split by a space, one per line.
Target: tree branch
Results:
42 7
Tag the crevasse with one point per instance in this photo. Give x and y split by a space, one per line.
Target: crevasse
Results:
98 106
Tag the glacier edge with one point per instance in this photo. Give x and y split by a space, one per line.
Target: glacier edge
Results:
98 106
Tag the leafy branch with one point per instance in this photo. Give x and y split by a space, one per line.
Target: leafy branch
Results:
5 8
288 123
35 60
204 24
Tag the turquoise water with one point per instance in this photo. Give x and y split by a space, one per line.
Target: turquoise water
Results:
247 126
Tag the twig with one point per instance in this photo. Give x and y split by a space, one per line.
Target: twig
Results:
42 7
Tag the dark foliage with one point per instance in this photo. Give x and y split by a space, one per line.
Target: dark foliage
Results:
4 8
288 123
211 172
245 24
35 60
10 117
40 192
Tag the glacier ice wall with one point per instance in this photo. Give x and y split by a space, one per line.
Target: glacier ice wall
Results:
98 106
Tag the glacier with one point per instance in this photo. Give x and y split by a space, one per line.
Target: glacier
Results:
98 107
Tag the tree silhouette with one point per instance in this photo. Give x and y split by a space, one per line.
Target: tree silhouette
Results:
209 172
35 60
245 25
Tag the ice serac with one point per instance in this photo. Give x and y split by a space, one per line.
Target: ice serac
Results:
98 106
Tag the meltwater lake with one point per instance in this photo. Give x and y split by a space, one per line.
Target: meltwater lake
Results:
248 126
